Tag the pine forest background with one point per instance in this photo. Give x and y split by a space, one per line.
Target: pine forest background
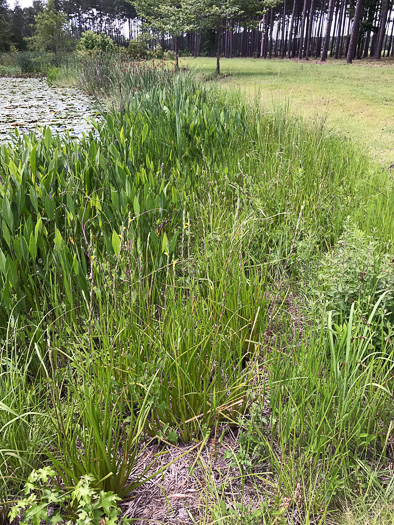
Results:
303 29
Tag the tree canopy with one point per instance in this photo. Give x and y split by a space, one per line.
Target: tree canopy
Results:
51 30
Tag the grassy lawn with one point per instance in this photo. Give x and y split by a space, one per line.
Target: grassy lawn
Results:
357 100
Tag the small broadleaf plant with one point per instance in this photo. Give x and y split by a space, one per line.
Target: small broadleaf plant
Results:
48 502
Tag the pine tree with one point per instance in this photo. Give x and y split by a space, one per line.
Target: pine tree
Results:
5 32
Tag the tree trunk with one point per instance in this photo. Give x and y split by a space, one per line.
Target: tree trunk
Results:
370 19
266 36
334 36
219 37
271 29
244 42
291 27
284 31
277 39
366 44
309 30
255 42
340 29
319 35
226 46
347 38
328 31
302 29
263 48
382 30
391 39
355 28
338 53
358 49
293 54
231 39
176 43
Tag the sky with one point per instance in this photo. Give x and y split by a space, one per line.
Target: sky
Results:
22 3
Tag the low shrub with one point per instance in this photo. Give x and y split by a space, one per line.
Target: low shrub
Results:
156 53
138 48
91 42
53 74
35 62
356 271
169 55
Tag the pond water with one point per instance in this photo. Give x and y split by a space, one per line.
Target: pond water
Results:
29 104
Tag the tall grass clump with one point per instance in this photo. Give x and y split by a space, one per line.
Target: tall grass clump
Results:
113 79
25 428
327 425
189 266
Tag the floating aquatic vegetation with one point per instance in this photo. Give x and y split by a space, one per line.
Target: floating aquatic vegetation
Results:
28 104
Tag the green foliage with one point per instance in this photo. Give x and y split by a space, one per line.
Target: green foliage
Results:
192 393
50 177
137 48
109 440
50 32
241 514
169 54
25 428
209 14
157 52
35 62
81 505
167 16
53 74
145 277
356 271
95 42
5 28
342 375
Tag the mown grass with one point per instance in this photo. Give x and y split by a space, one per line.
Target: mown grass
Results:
357 100
197 264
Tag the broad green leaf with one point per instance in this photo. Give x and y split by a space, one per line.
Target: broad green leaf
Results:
122 136
6 234
75 265
12 273
164 243
15 171
33 198
7 213
2 262
58 240
33 246
38 228
136 206
174 195
116 241
144 133
33 159
92 151
49 207
70 204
